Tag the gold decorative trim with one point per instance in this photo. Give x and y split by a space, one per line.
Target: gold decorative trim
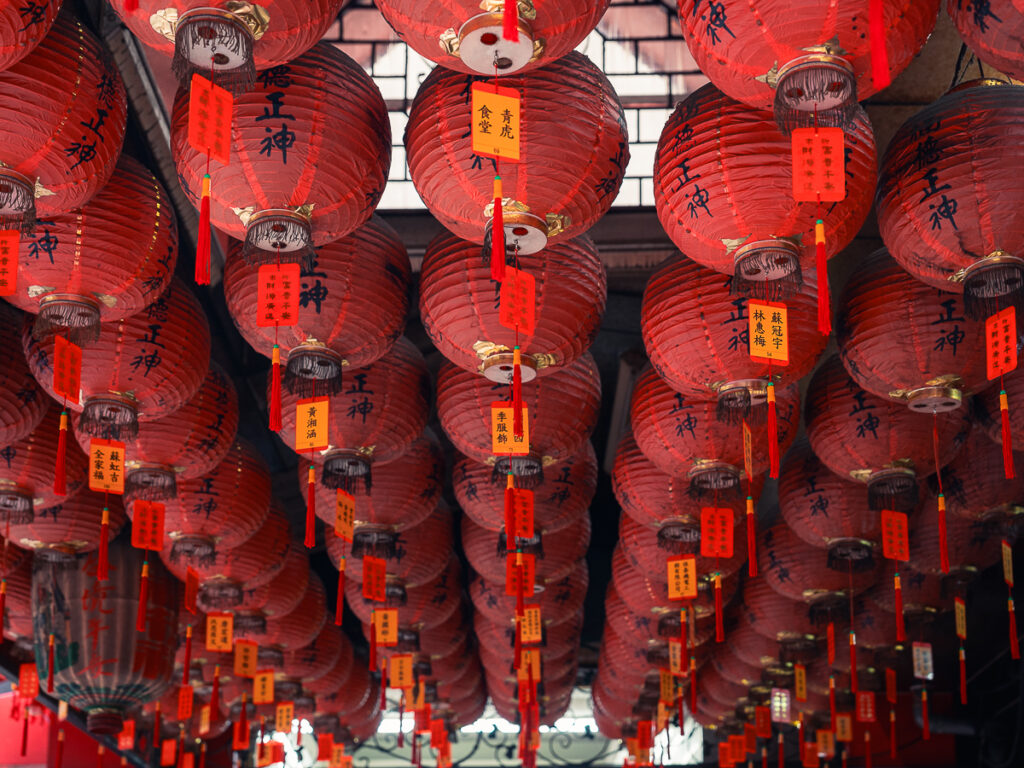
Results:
557 223
525 8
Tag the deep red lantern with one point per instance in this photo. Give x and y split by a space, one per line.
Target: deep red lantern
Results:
648 551
944 222
460 307
992 31
561 497
723 187
318 657
562 411
351 696
751 647
924 595
102 665
18 618
70 527
810 61
987 414
353 299
574 149
500 636
424 607
140 369
106 261
301 626
875 441
429 643
373 420
972 545
906 341
324 142
62 143
22 401
339 673
637 628
556 552
559 600
683 438
23 27
975 486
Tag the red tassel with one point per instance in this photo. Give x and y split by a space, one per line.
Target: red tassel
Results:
339 608
510 21
764 755
401 717
782 752
926 729
773 433
275 391
383 684
24 732
215 692
498 235
517 649
517 393
719 620
684 640
821 264
3 599
831 642
243 718
373 646
1014 641
140 616
853 662
58 759
60 482
892 734
519 588
103 560
751 538
1004 412
901 627
49 664
963 676
832 700
203 238
943 539
879 55
693 684
311 507
510 523
188 655
156 726
867 749
202 755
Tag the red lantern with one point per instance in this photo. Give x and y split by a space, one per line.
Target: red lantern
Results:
22 401
987 409
17 621
559 500
373 420
106 261
751 647
827 511
352 306
220 510
974 485
351 696
323 166
432 643
564 181
426 607
683 438
27 467
923 594
972 546
876 629
812 62
723 184
500 636
186 444
782 619
648 551
637 628
320 656
561 409
339 673
875 441
229 41
70 527
102 665
59 151
559 600
23 27
140 369
301 626
556 552
992 31
945 224
461 312
903 340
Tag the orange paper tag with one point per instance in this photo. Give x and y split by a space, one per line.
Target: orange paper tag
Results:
311 416
737 746
809 754
495 131
960 612
168 752
819 165
518 301
147 525
337 756
516 564
10 241
748 452
530 628
186 699
209 119
67 369
827 742
277 295
716 533
675 658
126 738
220 632
895 536
769 331
865 706
800 682
106 466
28 681
522 512
1007 551
666 687
1001 342
263 687
344 515
503 439
682 577
529 661
204 719
284 714
400 671
844 726
375 571
246 653
385 621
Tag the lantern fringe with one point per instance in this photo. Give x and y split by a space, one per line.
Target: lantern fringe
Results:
990 288
527 470
150 484
375 543
817 84
724 485
735 405
1006 434
202 274
102 418
857 560
345 472
761 261
193 33
313 372
532 546
274 406
76 320
17 205
60 483
221 595
286 231
408 641
15 508
246 624
678 538
197 550
896 492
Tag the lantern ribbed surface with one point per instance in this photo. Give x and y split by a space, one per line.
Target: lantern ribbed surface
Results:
993 31
500 636
352 299
350 696
973 545
923 591
66 139
140 369
750 647
898 336
301 626
427 606
559 550
22 401
462 318
649 553
573 155
649 597
328 146
723 180
23 27
986 409
637 628
71 526
279 596
940 213
18 616
562 410
562 496
339 673
559 600
975 485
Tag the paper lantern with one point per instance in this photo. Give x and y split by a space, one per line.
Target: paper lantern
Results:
324 143
17 621
874 441
353 299
351 696
723 185
140 369
808 60
944 223
648 552
634 627
556 553
301 626
22 401
230 39
562 411
986 409
561 498
59 151
70 527
974 485
102 665
924 596
500 636
339 673
573 153
559 600
783 619
373 420
424 607
460 307
23 27
972 545
991 30
906 341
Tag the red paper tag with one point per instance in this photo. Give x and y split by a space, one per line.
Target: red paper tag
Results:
763 722
865 706
188 760
106 466
209 119
518 301
191 589
186 699
240 736
277 295
749 738
10 240
28 681
819 165
522 512
645 735
126 738
375 579
809 754
1001 342
682 577
324 744
800 682
168 752
148 525
891 691
512 571
716 532
67 369
895 536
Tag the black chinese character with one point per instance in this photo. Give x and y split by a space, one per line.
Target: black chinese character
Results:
282 140
315 293
274 113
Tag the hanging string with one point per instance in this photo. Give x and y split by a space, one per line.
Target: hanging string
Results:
943 543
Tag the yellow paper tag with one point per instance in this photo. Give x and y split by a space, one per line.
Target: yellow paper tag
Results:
311 417
344 515
530 628
800 682
220 632
769 331
682 577
263 687
337 756
529 662
283 716
400 671
204 719
495 121
385 622
62 711
503 439
106 466
675 657
826 743
844 726
1007 563
246 653
960 611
